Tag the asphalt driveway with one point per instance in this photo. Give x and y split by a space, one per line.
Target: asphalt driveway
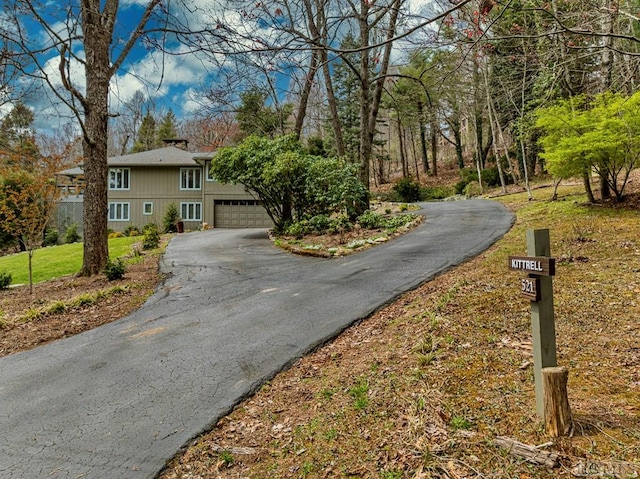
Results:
120 400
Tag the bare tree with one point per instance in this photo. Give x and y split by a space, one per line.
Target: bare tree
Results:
88 33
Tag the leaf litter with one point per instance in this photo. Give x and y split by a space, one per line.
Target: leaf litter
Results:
423 387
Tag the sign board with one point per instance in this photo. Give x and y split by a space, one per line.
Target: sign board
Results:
535 265
530 288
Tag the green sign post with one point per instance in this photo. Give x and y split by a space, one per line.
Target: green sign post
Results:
538 287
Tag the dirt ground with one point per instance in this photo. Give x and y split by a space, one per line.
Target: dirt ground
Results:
70 305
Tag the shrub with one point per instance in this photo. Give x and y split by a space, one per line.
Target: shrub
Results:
71 234
171 218
115 269
408 189
435 193
370 220
298 229
5 279
151 238
472 189
50 238
116 234
131 230
459 187
340 224
319 223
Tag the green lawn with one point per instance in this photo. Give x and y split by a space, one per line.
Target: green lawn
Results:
56 261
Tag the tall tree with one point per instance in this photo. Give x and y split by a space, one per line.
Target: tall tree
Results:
17 135
94 35
147 135
255 117
167 129
27 202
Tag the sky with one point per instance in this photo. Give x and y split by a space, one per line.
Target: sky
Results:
173 81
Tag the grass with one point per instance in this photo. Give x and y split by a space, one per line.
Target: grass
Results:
452 368
56 261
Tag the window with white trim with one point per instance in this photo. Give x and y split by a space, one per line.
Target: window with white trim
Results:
190 178
118 211
207 168
147 208
118 178
191 211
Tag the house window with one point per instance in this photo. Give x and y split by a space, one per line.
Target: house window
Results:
190 178
118 211
147 208
118 178
191 211
207 167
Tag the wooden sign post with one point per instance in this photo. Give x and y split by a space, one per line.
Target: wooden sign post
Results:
538 287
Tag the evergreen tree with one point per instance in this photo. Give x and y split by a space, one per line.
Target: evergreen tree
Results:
347 92
146 135
17 138
167 128
256 118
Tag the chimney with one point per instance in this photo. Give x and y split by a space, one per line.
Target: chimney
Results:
181 143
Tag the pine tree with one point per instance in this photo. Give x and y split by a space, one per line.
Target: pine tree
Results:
146 135
167 129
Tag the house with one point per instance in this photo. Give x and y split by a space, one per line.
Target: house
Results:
142 185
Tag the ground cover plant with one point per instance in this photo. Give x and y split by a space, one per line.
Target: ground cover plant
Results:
425 386
328 237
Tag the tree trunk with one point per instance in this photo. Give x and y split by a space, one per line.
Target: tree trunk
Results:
457 135
316 20
306 92
605 190
414 154
333 105
557 413
369 112
586 179
403 156
433 130
423 138
97 39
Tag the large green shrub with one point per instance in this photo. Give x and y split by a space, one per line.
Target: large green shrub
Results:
291 184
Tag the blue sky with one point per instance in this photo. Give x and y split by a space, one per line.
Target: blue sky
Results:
171 81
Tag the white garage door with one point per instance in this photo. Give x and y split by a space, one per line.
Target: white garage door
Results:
240 214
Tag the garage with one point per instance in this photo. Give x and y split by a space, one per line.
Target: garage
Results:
240 214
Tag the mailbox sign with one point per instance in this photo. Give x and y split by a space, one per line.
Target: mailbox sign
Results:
530 288
535 265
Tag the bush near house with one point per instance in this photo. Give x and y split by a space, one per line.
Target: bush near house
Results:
292 184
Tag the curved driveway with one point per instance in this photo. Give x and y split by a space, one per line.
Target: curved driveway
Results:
120 400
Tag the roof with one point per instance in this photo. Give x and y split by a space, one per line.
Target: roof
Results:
167 156
71 172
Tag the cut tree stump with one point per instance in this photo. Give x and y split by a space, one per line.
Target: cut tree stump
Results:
528 453
557 413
